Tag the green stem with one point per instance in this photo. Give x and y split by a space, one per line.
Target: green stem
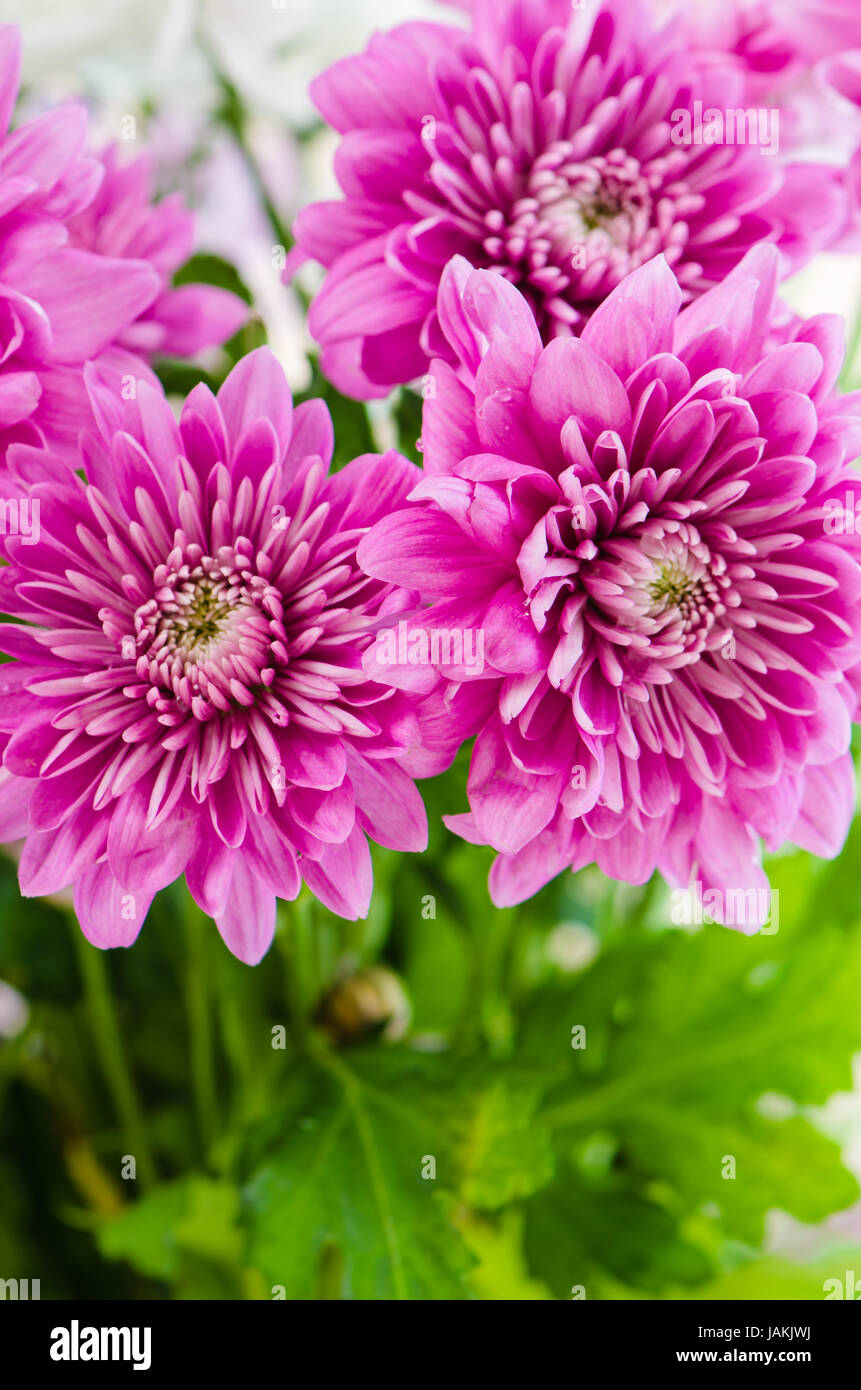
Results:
232 1020
199 1023
108 1042
638 917
301 975
233 115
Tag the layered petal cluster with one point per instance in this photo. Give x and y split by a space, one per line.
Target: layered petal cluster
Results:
85 261
188 693
653 530
557 145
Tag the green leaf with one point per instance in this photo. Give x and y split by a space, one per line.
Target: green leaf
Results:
501 1273
144 1233
183 1232
206 269
577 1233
774 1277
502 1154
342 1210
686 1033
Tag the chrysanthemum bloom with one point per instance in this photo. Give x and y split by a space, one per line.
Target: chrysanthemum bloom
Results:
778 38
562 147
188 694
123 221
70 290
803 56
841 77
654 529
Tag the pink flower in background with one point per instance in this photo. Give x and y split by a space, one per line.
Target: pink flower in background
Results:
798 55
191 697
73 288
775 38
654 527
841 75
540 145
123 221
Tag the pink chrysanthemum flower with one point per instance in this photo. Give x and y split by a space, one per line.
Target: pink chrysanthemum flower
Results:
840 76
123 221
651 533
803 56
188 694
84 267
775 39
549 144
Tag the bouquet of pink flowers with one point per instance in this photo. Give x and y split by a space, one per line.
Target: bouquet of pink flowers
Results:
569 225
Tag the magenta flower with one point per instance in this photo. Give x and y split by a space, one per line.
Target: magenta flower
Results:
188 694
549 144
653 528
84 267
123 221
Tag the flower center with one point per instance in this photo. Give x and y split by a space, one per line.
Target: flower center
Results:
679 592
578 200
197 614
581 225
212 636
673 587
